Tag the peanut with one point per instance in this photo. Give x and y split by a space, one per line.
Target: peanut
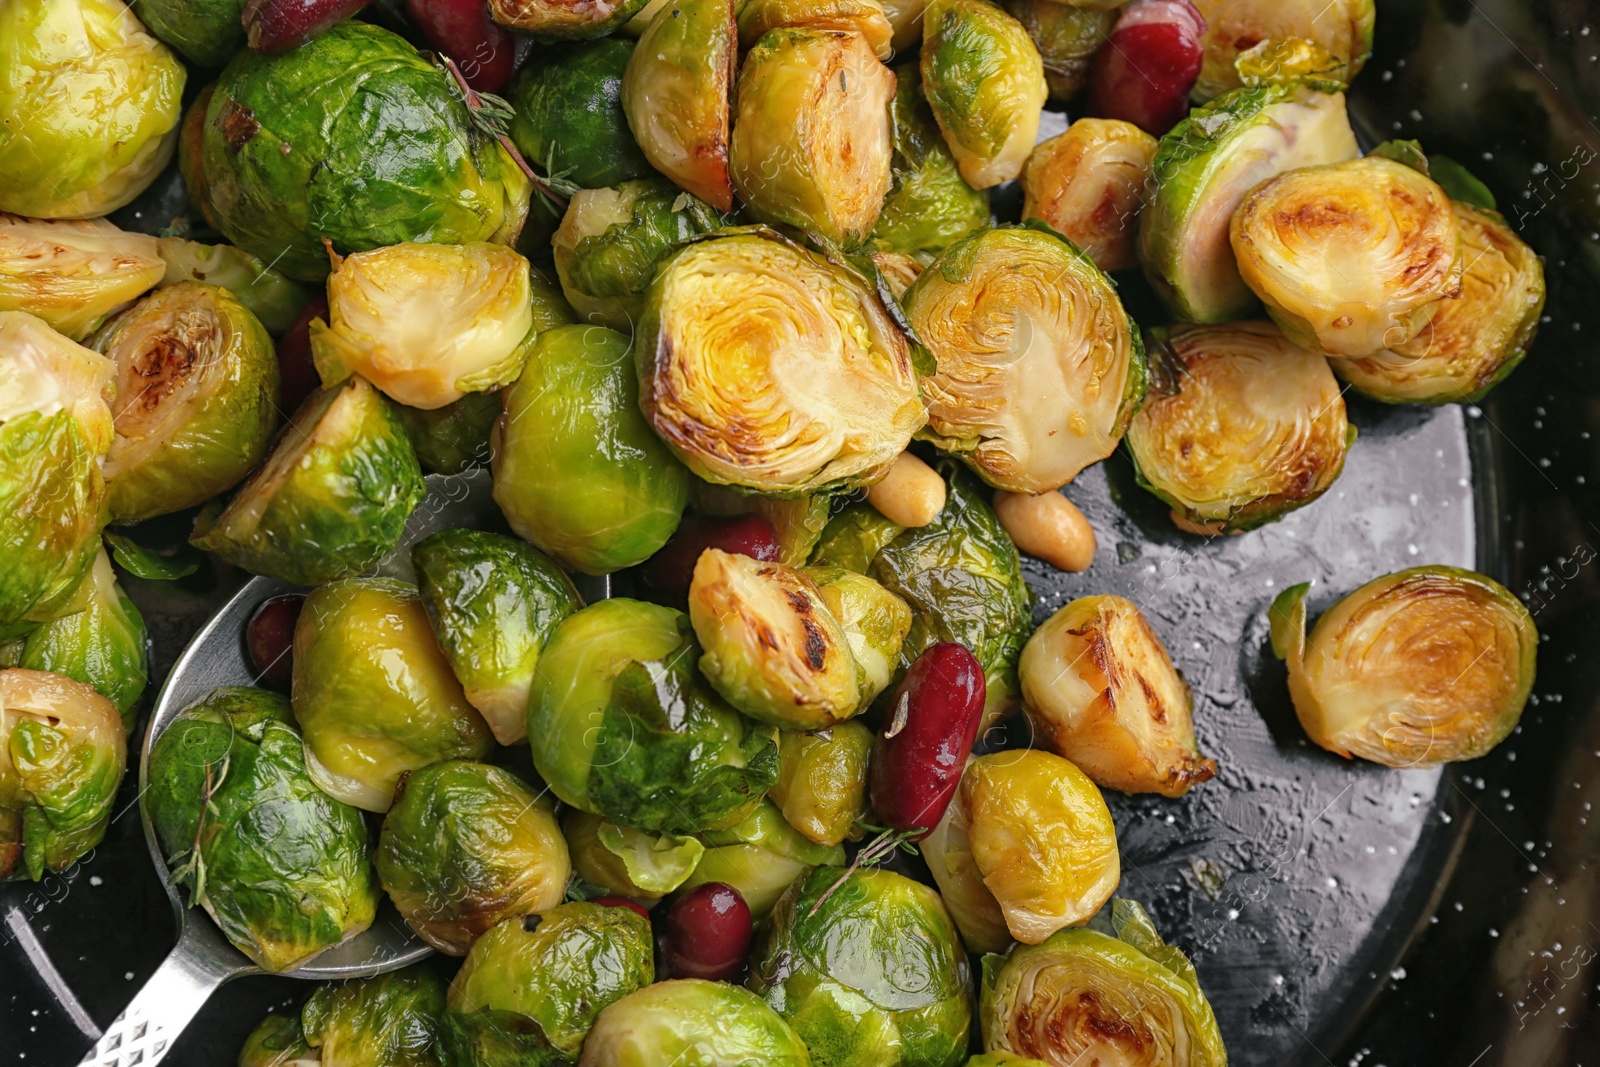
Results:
911 494
1048 526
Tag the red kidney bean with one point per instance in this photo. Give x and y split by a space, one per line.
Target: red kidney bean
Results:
670 570
297 373
272 26
933 721
620 902
706 933
484 50
269 638
1144 72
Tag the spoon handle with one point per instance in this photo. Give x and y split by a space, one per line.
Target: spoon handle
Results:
158 1013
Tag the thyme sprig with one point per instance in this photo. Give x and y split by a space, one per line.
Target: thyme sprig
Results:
493 114
192 870
887 843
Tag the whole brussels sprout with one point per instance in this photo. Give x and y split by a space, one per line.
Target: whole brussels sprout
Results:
427 323
61 759
766 366
1114 993
389 1020
534 986
197 388
466 845
905 18
493 601
984 79
72 274
812 140
206 32
863 17
277 1041
626 862
332 498
1067 37
1089 183
1040 368
550 20
690 1022
628 729
854 537
1424 666
373 693
610 240
356 139
822 780
454 438
271 297
55 425
875 624
577 471
1001 1059
760 857
569 118
279 864
947 851
868 969
1343 28
89 107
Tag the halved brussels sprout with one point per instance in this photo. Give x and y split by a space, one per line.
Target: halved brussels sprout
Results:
766 366
690 1022
89 108
1100 689
610 240
577 470
274 299
356 139
676 93
102 645
197 399
760 857
427 323
874 620
622 725
1040 368
947 851
535 985
390 1019
1115 993
373 693
279 864
865 964
493 601
1349 258
62 755
569 118
466 845
1242 427
865 17
453 438
1089 183
1472 343
822 780
984 79
73 274
1343 28
812 142
206 32
277 1041
1425 666
1067 37
627 862
1204 169
554 20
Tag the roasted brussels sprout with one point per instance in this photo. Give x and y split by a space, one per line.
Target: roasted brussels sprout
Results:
905 19
875 624
73 274
90 105
676 94
279 864
627 728
352 138
1089 183
373 693
760 857
569 118
1242 427
929 205
610 240
453 438
984 79
947 851
197 399
332 498
466 845
1472 343
55 425
1112 994
61 759
427 323
577 471
863 962
277 1041
865 17
271 297
552 20
1067 37
1352 257
812 141
822 780
690 1022
766 366
530 989
1204 169
493 601
628 862
206 32
390 1019
1425 666
1343 28
1002 1059
854 537
1040 368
